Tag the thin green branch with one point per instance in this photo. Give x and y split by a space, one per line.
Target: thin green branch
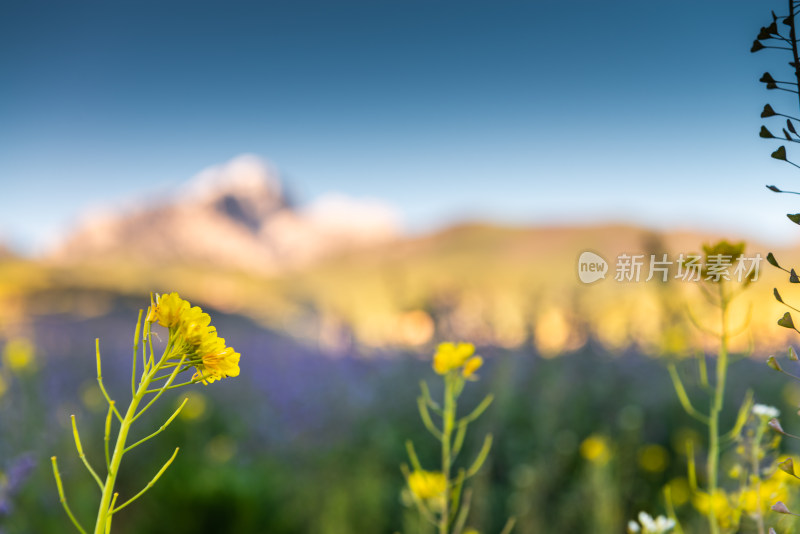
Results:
135 352
63 497
158 392
149 484
699 326
691 466
793 39
160 429
461 521
702 369
427 395
426 419
107 436
458 442
455 499
509 525
478 410
671 509
683 397
481 458
412 455
175 386
100 379
148 357
82 454
741 418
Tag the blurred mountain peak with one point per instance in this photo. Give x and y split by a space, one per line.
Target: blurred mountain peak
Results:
232 215
246 189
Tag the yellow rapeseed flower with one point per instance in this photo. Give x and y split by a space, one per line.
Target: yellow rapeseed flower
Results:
194 326
216 361
726 512
472 365
755 500
450 356
167 310
427 484
196 340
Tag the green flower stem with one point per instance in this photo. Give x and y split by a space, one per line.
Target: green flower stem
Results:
119 450
143 386
111 515
716 408
755 449
458 527
135 350
448 422
105 509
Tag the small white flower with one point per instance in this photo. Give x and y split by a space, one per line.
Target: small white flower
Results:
647 522
664 524
659 525
765 411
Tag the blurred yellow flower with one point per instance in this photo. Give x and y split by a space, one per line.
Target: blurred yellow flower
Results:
595 449
427 484
653 458
450 356
18 355
756 500
195 407
679 490
726 512
472 365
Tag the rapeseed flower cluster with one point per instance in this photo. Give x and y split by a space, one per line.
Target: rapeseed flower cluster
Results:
752 500
724 505
195 340
427 485
455 356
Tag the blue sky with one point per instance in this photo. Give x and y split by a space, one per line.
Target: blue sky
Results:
534 112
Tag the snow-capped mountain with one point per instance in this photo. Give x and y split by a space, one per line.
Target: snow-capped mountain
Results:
232 215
